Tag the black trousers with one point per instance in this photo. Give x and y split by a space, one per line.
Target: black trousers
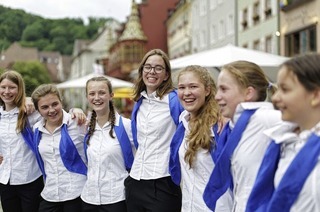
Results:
22 198
115 207
159 195
66 206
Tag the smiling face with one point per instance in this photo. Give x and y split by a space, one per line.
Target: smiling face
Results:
229 93
99 96
153 80
50 108
294 101
191 92
8 93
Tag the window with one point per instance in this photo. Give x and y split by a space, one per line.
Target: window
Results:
256 17
230 24
268 47
203 7
213 4
244 22
213 34
256 45
221 29
301 42
268 10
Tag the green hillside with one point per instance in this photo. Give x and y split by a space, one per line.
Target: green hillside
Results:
45 34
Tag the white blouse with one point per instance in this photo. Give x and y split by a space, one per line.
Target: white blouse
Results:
60 184
19 163
195 179
248 155
292 143
155 130
106 169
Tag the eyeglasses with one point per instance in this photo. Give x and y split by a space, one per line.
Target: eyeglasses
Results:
158 69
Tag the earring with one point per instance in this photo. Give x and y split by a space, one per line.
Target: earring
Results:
313 102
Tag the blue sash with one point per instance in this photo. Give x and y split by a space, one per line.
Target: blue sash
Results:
174 162
125 145
294 178
68 153
221 178
263 187
27 135
221 141
175 110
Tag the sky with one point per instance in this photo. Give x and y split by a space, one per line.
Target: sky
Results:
118 9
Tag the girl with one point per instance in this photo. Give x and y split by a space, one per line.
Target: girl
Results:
20 176
242 90
289 174
60 152
192 146
154 118
109 151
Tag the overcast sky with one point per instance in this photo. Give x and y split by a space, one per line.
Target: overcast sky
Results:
118 9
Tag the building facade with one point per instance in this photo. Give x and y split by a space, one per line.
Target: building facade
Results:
299 21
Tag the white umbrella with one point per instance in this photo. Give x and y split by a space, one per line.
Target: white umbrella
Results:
215 58
81 82
220 56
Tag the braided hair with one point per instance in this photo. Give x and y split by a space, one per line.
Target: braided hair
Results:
93 118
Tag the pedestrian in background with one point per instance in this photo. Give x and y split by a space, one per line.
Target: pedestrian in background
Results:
20 176
154 120
193 145
243 89
109 151
288 179
60 152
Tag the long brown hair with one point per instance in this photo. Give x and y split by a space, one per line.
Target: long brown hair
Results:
20 99
166 85
200 135
112 115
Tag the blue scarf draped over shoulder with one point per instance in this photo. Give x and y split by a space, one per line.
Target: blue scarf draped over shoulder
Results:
174 162
175 110
68 153
125 144
221 178
264 197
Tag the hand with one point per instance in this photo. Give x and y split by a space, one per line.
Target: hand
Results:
79 114
29 106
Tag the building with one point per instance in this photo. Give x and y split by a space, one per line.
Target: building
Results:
179 30
153 16
259 25
127 52
88 54
213 24
299 27
58 66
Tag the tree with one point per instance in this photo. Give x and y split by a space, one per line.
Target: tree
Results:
33 73
33 32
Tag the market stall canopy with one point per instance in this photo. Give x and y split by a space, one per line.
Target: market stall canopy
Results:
81 82
220 56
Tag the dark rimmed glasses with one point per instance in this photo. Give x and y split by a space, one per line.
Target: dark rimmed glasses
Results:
158 68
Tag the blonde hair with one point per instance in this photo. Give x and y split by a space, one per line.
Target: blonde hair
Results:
250 74
165 87
112 115
200 135
20 99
